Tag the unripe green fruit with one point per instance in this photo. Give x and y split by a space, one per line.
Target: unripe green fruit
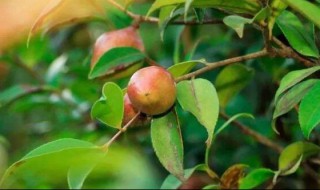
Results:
152 90
127 37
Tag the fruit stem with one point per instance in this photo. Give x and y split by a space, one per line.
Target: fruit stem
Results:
121 130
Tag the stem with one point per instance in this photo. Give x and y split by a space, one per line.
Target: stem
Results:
123 129
217 64
257 136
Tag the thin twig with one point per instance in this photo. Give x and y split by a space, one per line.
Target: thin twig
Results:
257 136
123 129
217 64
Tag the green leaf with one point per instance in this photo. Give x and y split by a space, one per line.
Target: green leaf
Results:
246 6
237 23
187 5
293 154
256 177
182 68
292 97
17 91
116 57
200 98
309 110
231 177
292 78
57 157
307 9
299 38
69 161
231 80
167 143
167 14
109 109
172 182
276 8
77 175
231 120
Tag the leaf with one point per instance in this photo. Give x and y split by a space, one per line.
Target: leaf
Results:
57 156
116 57
187 5
237 23
77 175
231 120
167 143
299 38
246 6
256 177
182 68
230 178
292 78
17 91
109 109
200 98
52 163
231 80
276 8
309 110
171 182
167 14
292 97
293 154
307 9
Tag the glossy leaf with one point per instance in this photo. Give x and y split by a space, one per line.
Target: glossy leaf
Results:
231 80
293 154
187 5
200 98
255 178
231 177
309 110
246 6
292 78
307 9
109 109
167 143
237 23
116 57
182 68
299 38
167 14
292 97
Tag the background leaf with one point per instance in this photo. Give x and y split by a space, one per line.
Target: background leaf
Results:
309 110
231 177
116 57
292 153
231 80
299 38
200 98
167 143
109 109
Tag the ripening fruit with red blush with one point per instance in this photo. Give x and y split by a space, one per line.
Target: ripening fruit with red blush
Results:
126 37
152 90
129 110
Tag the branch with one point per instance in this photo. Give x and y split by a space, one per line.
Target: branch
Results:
217 64
257 136
123 129
287 51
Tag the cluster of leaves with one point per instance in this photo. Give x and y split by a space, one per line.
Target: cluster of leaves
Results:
197 98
